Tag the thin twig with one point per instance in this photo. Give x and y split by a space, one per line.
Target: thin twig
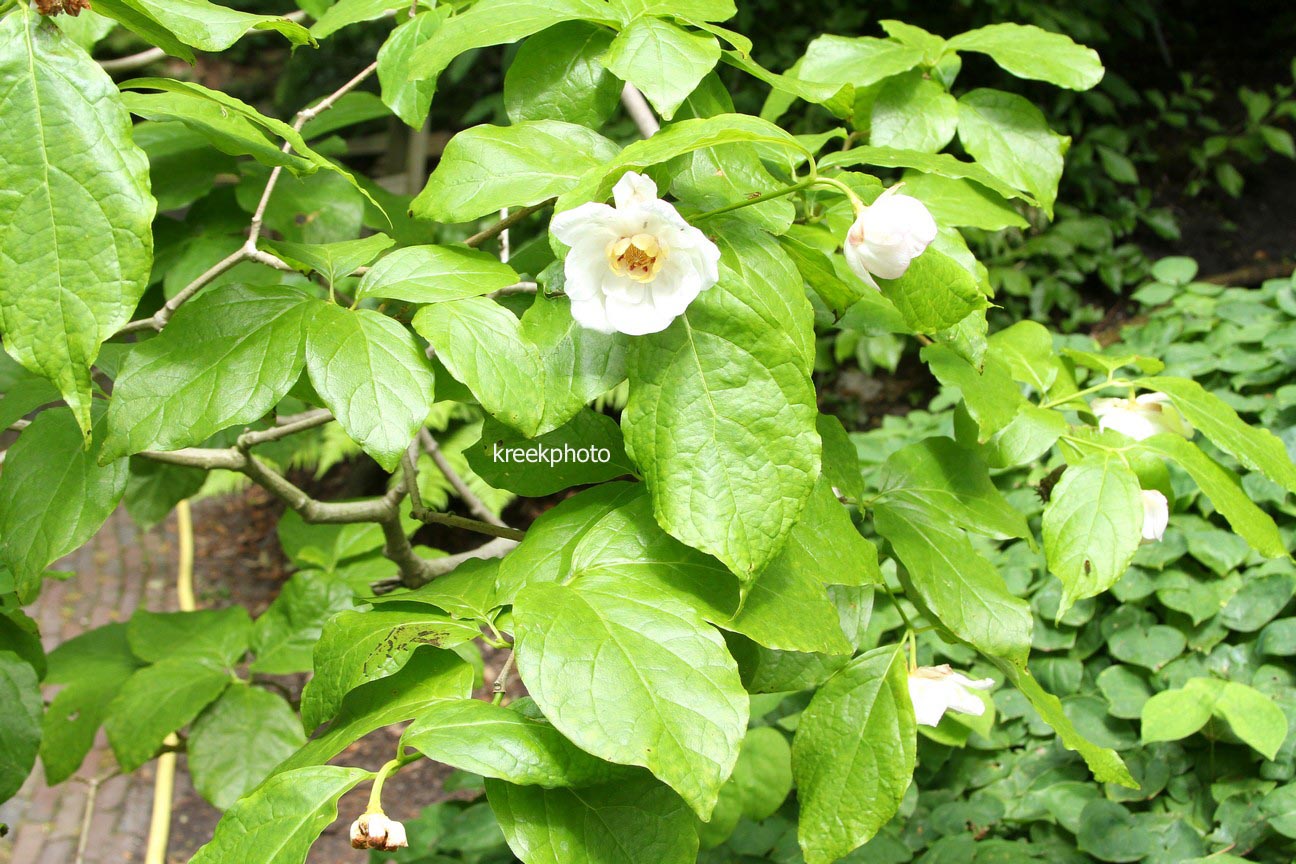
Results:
518 288
475 505
501 680
639 110
409 463
307 420
440 566
504 224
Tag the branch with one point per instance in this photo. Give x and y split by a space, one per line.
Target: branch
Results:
504 224
300 423
496 548
639 110
475 505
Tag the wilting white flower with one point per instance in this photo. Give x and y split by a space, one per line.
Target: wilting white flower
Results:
887 235
1148 415
1156 515
376 831
634 267
937 689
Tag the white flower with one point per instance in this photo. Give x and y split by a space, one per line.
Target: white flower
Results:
1148 415
634 267
937 689
376 831
887 235
1156 515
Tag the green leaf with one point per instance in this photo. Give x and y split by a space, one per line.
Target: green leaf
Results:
278 823
92 667
1256 448
853 755
358 647
1106 765
257 725
1029 52
841 466
637 821
153 489
762 778
324 545
556 75
610 664
408 100
1224 490
962 203
20 722
284 636
721 417
1254 717
209 27
936 292
818 270
225 359
218 636
1093 525
372 375
144 26
944 573
941 164
335 261
156 701
76 213
861 60
498 742
990 395
20 635
486 168
1010 137
434 274
429 677
913 112
53 497
666 62
344 13
587 449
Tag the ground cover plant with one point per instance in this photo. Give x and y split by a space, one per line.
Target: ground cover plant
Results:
1044 618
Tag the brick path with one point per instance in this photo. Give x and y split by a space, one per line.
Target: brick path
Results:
117 570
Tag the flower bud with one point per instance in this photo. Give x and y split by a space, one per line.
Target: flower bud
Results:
1156 515
937 689
1140 418
887 235
376 831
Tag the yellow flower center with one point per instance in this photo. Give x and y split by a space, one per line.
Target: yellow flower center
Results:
639 257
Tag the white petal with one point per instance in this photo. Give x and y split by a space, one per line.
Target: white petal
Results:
633 188
928 701
965 701
974 683
589 222
585 269
1156 515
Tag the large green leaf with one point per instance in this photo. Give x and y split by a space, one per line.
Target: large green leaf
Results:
258 726
156 701
280 821
219 636
92 667
990 395
1029 52
637 821
944 573
284 636
209 27
336 261
587 449
913 112
153 489
486 168
53 497
20 722
1092 526
75 210
372 375
499 742
962 203
936 292
633 677
344 13
853 755
1010 137
1254 717
433 274
663 60
225 359
358 647
408 100
721 417
556 75
941 164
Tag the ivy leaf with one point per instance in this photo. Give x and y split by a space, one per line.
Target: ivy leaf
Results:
556 75
257 725
20 722
486 168
1010 137
721 417
853 755
503 743
280 821
1030 52
284 636
53 497
225 359
92 667
358 647
1093 525
372 375
76 213
666 62
637 821
156 701
434 274
633 677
